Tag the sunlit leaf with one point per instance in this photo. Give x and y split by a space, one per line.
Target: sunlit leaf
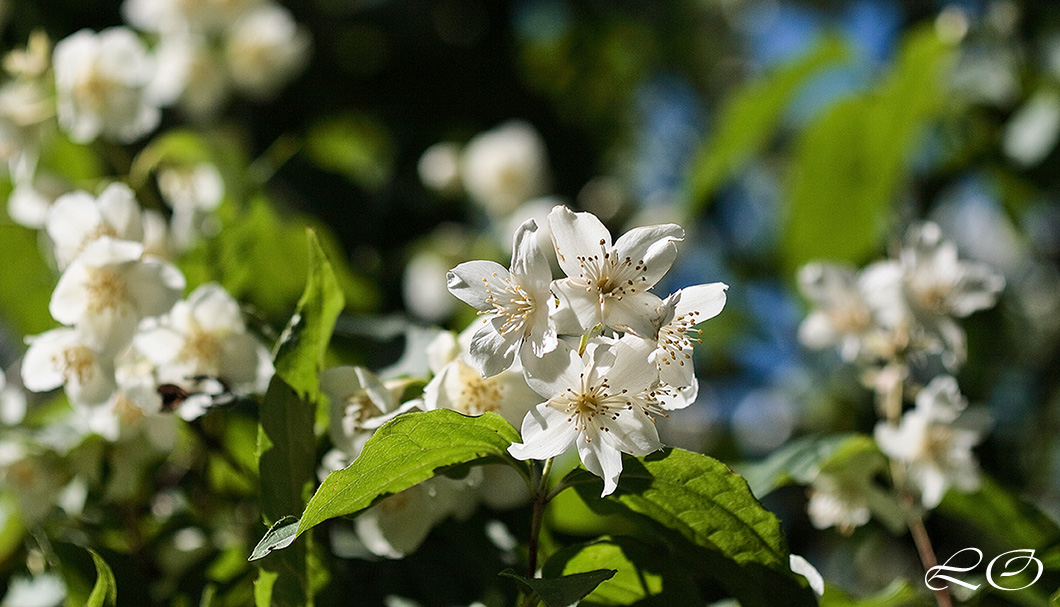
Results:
105 590
749 119
286 442
710 507
851 162
355 146
795 462
899 594
1001 517
565 590
407 450
26 282
260 258
645 575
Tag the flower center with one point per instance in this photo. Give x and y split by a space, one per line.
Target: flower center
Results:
127 411
477 394
77 361
513 304
105 289
203 348
359 409
611 276
674 338
94 89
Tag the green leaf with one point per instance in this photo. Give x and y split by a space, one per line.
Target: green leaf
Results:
355 146
260 257
1001 517
749 119
105 591
898 594
26 282
300 352
286 441
645 575
562 591
711 508
74 161
407 450
796 462
851 161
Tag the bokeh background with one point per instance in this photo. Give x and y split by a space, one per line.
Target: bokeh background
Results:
776 132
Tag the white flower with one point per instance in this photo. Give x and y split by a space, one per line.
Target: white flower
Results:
932 442
99 81
505 166
398 524
196 187
678 316
834 503
360 404
192 192
516 303
109 288
169 16
601 402
608 284
31 199
12 403
936 281
926 288
63 357
457 385
423 286
78 219
191 74
265 49
841 316
803 567
204 336
24 106
439 168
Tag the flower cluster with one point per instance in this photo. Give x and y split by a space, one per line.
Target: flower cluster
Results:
898 308
126 330
207 50
604 352
361 402
897 321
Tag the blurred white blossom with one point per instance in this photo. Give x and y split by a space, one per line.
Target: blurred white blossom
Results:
204 336
78 219
100 82
265 49
505 166
937 451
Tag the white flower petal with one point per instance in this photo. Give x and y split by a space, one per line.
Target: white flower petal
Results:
214 310
155 286
491 352
530 267
546 433
472 282
576 235
555 372
652 245
601 460
706 301
633 313
577 312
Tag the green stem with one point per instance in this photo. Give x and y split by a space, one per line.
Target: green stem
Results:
891 403
539 500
